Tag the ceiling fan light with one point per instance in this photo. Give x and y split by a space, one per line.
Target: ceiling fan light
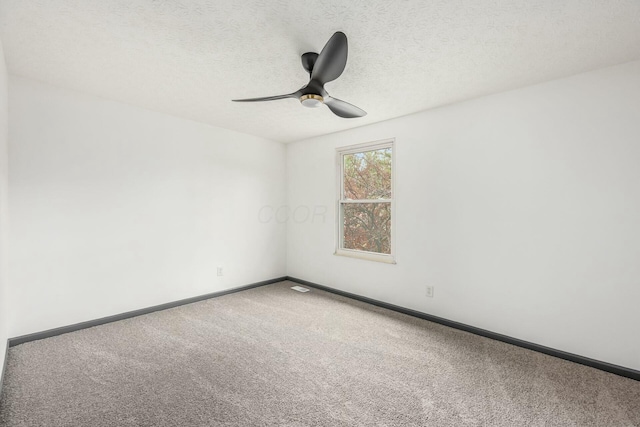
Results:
311 100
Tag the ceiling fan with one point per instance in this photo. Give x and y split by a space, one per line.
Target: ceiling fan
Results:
322 68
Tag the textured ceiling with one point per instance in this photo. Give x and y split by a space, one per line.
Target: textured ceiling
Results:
189 58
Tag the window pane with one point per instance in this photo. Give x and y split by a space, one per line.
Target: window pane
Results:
367 175
367 227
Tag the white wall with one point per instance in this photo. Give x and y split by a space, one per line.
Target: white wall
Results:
522 209
4 212
117 208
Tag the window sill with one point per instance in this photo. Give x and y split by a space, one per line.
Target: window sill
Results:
367 256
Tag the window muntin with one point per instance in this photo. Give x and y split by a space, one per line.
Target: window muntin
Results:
365 201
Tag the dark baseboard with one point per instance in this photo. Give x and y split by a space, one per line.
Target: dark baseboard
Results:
604 366
91 323
4 366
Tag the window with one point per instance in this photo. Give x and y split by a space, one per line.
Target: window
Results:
365 201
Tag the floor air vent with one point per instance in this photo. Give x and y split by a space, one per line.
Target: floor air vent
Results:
299 289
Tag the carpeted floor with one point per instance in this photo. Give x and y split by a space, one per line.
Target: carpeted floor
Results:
273 356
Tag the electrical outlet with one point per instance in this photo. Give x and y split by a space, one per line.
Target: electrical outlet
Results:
219 271
430 291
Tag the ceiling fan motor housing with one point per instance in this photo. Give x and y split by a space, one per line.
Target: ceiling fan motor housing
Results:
312 95
311 100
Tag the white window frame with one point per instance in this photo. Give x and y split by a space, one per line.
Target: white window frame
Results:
359 148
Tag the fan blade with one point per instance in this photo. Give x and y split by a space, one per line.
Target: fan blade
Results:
343 109
268 98
332 60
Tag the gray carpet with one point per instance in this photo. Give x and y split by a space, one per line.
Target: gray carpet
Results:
273 356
